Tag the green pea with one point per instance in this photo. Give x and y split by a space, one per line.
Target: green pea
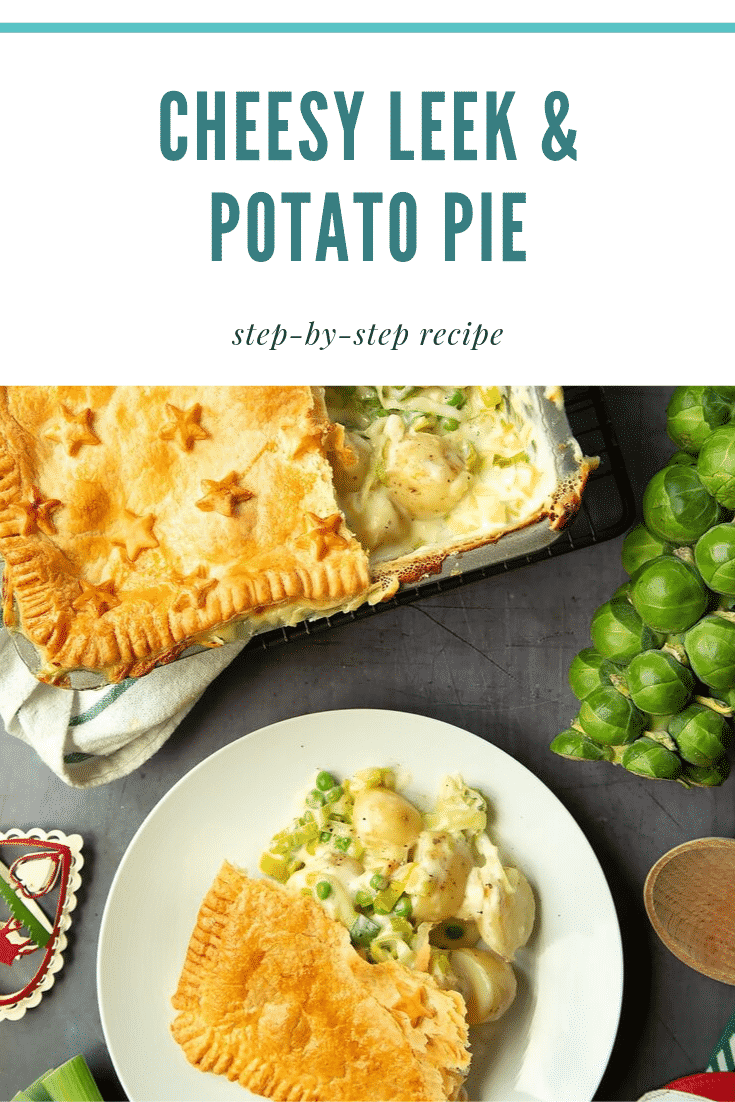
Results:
325 836
378 882
363 898
315 798
334 794
403 907
323 889
325 781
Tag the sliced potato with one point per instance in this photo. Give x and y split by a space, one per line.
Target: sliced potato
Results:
487 983
382 818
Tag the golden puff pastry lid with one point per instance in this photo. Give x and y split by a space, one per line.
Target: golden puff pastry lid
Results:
272 994
137 520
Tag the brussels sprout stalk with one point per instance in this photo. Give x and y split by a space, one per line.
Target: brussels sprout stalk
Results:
657 686
719 706
617 754
618 682
675 647
662 738
686 554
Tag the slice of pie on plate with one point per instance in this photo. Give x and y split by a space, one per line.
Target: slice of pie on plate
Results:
272 994
136 521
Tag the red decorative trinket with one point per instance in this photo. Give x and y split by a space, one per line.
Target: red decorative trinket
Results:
39 878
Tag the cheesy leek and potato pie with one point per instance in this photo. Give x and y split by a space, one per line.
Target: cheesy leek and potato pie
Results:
138 522
427 890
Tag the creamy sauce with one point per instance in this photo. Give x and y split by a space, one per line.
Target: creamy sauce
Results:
429 467
363 850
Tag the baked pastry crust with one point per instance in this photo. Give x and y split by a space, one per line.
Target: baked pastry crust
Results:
272 994
135 521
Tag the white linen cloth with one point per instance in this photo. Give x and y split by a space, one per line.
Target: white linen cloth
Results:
93 736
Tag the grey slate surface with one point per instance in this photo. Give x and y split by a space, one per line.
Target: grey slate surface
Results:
490 657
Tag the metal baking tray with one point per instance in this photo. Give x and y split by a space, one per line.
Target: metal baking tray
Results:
606 511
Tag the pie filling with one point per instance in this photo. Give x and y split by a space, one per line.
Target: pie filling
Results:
429 467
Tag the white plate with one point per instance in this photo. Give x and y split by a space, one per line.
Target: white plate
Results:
556 1039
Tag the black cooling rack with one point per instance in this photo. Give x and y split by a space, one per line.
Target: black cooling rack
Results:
607 510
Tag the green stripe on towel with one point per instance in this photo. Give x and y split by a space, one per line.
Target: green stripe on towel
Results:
723 1057
91 713
109 698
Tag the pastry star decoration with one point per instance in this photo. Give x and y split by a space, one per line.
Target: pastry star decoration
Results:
72 430
410 1003
102 596
135 534
322 534
36 513
223 496
195 587
185 425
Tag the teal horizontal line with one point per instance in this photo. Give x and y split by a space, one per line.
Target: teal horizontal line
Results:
367 28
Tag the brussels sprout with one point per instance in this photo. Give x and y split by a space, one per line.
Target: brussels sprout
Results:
716 465
677 506
726 392
618 631
692 414
640 546
610 718
683 459
707 776
588 670
649 758
714 554
710 647
573 744
622 591
700 734
658 684
668 594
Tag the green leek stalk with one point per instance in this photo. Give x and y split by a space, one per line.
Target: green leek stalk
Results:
72 1082
36 1092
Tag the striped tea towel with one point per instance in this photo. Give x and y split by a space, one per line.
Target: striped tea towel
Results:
89 737
723 1056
